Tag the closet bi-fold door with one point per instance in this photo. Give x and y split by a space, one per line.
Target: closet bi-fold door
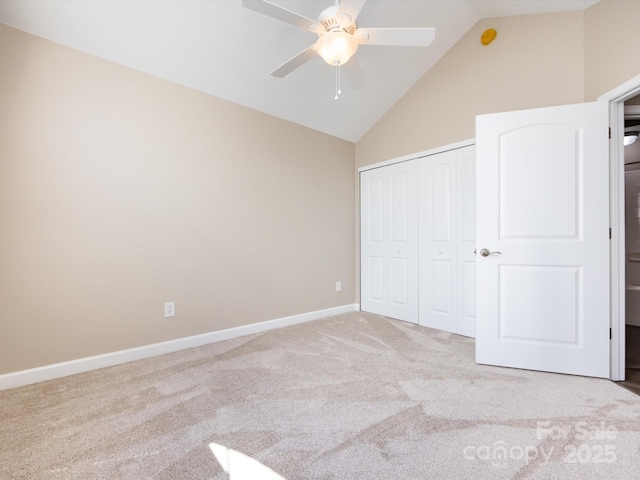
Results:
466 243
438 272
389 241
446 195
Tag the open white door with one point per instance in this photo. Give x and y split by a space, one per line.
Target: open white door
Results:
543 239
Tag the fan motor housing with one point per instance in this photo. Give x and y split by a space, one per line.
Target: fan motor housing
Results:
331 21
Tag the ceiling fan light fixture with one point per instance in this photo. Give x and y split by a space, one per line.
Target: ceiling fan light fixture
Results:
630 137
336 48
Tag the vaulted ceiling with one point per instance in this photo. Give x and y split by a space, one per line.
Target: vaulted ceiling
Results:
223 49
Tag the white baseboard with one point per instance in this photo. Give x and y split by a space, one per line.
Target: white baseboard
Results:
63 369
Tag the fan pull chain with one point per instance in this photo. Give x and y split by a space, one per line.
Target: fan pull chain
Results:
338 89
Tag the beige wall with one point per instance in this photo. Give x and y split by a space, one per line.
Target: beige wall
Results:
120 191
611 32
535 61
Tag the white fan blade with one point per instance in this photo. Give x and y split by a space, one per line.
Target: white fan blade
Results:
274 11
354 73
400 37
351 8
289 66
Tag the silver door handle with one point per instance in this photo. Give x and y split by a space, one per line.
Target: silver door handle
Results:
485 253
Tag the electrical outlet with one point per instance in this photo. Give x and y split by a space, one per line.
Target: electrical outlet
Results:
169 309
338 286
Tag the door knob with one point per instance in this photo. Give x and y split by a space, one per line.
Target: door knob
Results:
485 253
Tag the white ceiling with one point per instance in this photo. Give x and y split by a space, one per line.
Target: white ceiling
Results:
223 49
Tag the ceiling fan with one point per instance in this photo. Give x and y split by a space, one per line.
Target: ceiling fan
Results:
339 36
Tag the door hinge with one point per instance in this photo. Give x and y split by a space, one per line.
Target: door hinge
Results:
610 334
609 233
609 133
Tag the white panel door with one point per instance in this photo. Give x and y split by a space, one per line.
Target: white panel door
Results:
389 241
466 243
437 232
542 202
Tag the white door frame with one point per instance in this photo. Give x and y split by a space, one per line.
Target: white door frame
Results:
616 99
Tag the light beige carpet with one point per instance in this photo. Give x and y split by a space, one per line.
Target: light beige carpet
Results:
355 396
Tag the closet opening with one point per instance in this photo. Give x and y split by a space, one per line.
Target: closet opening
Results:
632 243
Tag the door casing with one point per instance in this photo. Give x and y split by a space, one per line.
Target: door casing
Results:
616 99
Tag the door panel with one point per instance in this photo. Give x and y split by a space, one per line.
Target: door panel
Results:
442 287
528 159
469 298
542 202
447 241
399 206
439 199
466 244
528 313
436 197
375 209
399 285
389 241
376 278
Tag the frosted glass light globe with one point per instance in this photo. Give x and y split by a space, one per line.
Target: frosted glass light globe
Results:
336 48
